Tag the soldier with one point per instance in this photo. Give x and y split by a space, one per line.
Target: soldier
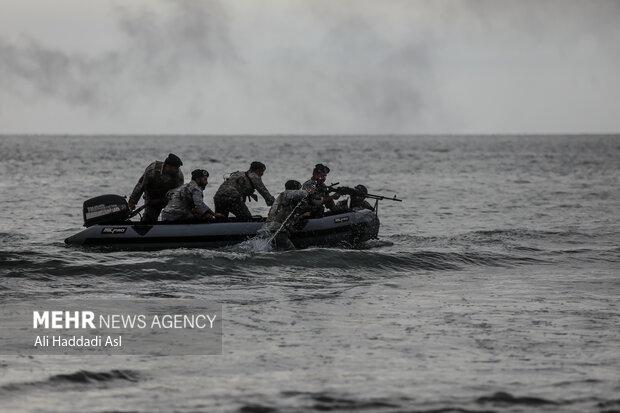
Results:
359 201
321 196
185 203
158 178
232 194
285 213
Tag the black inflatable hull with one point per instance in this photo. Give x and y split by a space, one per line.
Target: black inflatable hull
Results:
349 228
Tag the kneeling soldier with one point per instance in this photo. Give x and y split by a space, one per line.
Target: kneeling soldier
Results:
359 201
185 203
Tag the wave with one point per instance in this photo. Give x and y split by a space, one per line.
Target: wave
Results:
84 376
328 401
503 398
397 253
491 236
81 377
195 263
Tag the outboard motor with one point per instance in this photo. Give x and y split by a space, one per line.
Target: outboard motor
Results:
105 209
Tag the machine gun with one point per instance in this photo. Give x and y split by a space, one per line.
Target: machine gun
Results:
345 190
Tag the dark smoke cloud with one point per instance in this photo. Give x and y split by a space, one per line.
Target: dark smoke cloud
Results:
156 52
30 67
354 75
556 22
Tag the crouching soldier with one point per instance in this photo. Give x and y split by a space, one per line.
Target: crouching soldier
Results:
232 194
186 204
158 178
284 214
359 201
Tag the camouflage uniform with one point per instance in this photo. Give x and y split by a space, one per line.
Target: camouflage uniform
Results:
182 200
154 184
230 197
360 203
316 207
283 206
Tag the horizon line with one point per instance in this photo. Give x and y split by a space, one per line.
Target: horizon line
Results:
313 134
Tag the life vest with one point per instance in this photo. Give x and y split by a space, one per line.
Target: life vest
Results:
181 197
155 187
241 182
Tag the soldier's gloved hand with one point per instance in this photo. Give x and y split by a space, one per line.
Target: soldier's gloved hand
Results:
306 214
131 205
336 196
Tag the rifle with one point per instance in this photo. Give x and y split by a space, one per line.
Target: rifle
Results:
332 187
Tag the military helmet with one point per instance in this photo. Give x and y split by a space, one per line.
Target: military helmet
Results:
173 160
257 166
319 168
292 185
199 173
362 189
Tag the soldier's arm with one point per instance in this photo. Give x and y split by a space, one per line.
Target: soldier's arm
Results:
198 198
262 190
138 190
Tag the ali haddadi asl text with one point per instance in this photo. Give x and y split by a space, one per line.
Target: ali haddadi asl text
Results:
78 341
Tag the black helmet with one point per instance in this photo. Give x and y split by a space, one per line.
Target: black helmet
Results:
199 173
362 189
173 160
292 185
319 168
257 166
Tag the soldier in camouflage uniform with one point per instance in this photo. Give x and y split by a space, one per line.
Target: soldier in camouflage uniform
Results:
359 202
186 204
158 178
293 201
321 196
231 195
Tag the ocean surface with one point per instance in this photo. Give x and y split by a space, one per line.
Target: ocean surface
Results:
494 286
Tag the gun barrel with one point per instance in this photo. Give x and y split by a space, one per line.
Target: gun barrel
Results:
381 197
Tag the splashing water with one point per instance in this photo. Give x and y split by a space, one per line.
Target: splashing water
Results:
254 244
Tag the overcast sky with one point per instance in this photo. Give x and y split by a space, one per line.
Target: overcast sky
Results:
313 66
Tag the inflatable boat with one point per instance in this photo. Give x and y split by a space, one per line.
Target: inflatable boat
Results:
106 219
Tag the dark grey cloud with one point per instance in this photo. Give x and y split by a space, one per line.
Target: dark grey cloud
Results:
157 50
561 22
318 65
355 74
